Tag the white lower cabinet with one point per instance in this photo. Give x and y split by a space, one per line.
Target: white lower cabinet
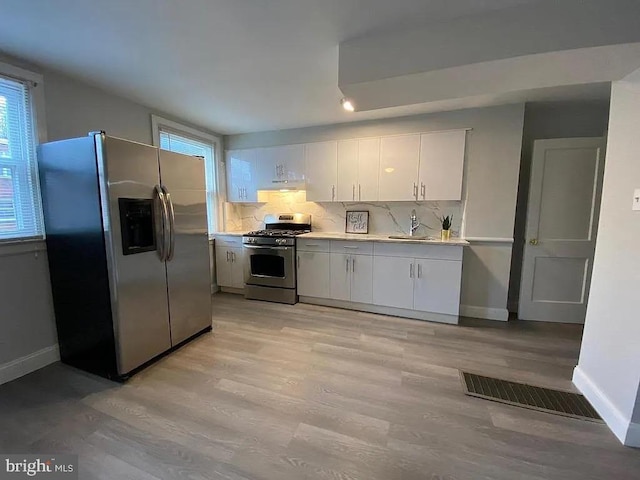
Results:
422 281
313 274
230 266
393 281
351 277
437 286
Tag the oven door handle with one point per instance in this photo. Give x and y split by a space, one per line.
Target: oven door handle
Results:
263 247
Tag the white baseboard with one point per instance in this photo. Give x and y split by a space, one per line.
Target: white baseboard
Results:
29 363
628 433
487 313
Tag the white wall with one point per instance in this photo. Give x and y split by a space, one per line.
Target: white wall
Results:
491 181
548 120
27 324
608 372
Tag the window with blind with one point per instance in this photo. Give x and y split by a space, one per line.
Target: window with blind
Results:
20 210
179 143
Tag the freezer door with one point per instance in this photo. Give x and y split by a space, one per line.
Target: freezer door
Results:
188 265
135 238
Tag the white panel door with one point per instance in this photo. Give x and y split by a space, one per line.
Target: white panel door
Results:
562 221
340 284
442 165
393 281
399 159
362 278
437 286
368 169
321 167
313 274
347 170
241 176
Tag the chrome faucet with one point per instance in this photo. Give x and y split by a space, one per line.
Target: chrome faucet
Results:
414 223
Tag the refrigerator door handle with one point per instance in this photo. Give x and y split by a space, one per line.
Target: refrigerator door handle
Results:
172 225
162 244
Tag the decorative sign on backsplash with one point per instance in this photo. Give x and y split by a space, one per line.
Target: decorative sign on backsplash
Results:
357 221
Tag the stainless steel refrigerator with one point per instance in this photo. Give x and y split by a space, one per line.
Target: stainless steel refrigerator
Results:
128 250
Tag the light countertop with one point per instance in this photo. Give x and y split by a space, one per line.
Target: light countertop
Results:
381 238
227 234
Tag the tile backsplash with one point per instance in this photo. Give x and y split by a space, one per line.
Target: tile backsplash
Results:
384 217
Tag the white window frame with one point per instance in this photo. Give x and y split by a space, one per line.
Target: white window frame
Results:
157 122
36 89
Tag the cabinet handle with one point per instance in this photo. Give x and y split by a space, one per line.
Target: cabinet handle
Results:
347 262
359 192
233 257
419 270
411 270
298 265
415 190
350 247
423 191
353 264
228 252
353 192
333 193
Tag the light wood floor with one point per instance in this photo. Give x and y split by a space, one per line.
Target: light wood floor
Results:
304 392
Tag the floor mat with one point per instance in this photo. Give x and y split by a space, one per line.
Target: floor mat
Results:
558 402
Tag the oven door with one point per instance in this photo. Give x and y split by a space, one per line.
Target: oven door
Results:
270 266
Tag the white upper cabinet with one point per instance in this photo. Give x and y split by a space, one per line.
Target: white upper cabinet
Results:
368 167
241 175
347 170
321 168
358 164
442 165
279 166
399 159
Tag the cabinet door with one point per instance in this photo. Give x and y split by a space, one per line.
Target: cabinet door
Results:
291 160
223 267
442 165
313 274
399 158
393 281
362 278
321 168
347 170
340 284
368 169
437 286
241 176
237 267
267 168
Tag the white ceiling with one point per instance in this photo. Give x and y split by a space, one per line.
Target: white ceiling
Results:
231 66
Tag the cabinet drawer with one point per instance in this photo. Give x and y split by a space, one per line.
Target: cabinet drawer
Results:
441 252
353 247
312 245
228 241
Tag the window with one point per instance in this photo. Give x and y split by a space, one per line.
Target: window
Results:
177 138
20 208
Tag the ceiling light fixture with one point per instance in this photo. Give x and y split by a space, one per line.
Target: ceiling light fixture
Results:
347 105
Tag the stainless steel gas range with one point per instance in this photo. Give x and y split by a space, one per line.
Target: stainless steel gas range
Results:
270 258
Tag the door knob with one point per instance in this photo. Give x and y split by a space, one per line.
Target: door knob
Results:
533 241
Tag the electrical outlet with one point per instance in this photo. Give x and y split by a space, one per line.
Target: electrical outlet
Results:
636 199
